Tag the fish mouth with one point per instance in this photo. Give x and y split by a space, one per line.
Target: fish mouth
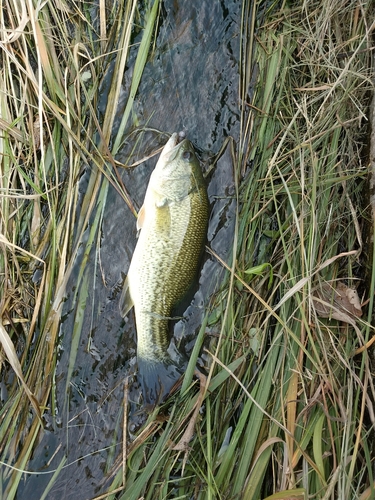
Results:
176 139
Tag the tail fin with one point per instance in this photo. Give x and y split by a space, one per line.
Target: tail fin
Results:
157 377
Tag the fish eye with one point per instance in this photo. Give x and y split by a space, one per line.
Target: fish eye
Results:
187 155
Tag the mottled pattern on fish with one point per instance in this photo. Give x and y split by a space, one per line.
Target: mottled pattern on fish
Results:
173 223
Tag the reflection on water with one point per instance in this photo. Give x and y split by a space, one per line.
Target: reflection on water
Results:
191 84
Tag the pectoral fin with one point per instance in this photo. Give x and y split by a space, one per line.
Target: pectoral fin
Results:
126 302
163 202
141 217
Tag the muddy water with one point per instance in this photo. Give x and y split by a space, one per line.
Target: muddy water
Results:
190 84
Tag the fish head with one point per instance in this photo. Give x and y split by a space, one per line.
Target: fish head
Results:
178 168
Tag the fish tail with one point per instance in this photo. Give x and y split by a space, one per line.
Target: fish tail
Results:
157 378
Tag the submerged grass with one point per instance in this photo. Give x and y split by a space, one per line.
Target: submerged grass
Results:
288 406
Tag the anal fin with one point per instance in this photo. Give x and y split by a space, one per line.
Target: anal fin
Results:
126 302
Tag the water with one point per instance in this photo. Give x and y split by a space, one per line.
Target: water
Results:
190 84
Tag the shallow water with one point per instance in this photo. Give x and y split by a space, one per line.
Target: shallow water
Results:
190 84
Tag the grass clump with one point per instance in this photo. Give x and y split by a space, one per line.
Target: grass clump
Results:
307 145
53 57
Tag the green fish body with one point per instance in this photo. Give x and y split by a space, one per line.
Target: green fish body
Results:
173 227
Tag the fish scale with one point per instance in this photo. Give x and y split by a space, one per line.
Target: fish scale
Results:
173 223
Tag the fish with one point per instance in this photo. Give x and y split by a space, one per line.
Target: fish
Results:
172 225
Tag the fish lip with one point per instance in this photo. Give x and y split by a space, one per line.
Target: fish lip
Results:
176 139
